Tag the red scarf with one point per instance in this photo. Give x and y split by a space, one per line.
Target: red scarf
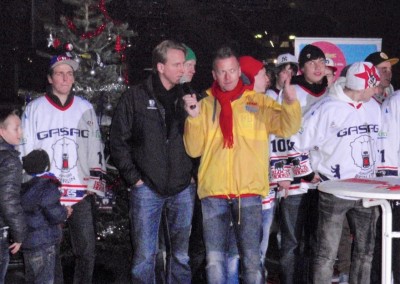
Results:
225 117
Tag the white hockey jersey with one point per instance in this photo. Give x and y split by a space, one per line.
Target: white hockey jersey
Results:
390 136
285 162
71 137
343 134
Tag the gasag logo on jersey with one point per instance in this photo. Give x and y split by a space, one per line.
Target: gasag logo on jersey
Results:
359 129
65 158
64 131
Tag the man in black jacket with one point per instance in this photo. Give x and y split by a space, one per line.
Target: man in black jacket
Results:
147 148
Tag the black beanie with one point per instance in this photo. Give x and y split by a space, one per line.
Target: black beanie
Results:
36 162
310 52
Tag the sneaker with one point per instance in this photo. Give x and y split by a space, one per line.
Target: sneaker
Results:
343 278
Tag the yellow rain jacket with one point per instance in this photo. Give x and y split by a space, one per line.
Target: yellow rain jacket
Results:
242 169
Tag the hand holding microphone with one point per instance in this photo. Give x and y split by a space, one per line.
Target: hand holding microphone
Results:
192 106
188 91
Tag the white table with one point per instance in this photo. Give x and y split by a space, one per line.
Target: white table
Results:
374 191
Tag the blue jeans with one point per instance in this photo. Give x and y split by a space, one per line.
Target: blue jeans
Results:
146 207
83 239
40 265
267 217
4 254
293 210
232 261
332 211
245 214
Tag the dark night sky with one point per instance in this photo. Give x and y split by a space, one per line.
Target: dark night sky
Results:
202 24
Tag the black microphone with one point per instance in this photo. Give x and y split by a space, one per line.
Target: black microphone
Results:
187 89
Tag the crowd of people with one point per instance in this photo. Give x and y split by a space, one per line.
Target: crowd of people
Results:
207 170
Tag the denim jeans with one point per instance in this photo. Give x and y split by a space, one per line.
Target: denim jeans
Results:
245 214
293 211
40 265
146 207
232 260
344 250
162 248
197 250
332 211
4 254
83 238
267 217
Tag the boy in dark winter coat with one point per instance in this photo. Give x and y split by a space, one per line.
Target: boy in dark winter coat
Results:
12 221
44 214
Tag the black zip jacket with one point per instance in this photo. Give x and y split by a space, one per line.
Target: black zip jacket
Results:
11 212
142 147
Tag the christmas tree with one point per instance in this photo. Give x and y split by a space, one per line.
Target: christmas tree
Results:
98 43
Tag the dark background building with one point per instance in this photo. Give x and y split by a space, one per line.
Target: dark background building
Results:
201 24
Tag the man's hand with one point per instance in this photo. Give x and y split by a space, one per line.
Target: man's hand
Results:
316 178
69 210
139 183
14 247
284 185
289 93
192 106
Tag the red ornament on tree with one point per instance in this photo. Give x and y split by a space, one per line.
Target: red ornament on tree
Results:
118 47
71 24
56 43
69 46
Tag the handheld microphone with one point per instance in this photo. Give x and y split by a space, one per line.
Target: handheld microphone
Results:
188 90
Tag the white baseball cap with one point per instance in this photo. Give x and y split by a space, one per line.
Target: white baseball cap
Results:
286 58
330 63
361 76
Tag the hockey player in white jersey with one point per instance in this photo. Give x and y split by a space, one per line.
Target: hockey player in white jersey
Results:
66 127
297 201
343 136
389 157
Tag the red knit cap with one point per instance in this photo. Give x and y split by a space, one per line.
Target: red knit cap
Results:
250 67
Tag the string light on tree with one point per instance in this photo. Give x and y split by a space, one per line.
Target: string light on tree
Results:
120 78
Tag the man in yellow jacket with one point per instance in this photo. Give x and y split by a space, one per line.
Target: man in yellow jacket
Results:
229 130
